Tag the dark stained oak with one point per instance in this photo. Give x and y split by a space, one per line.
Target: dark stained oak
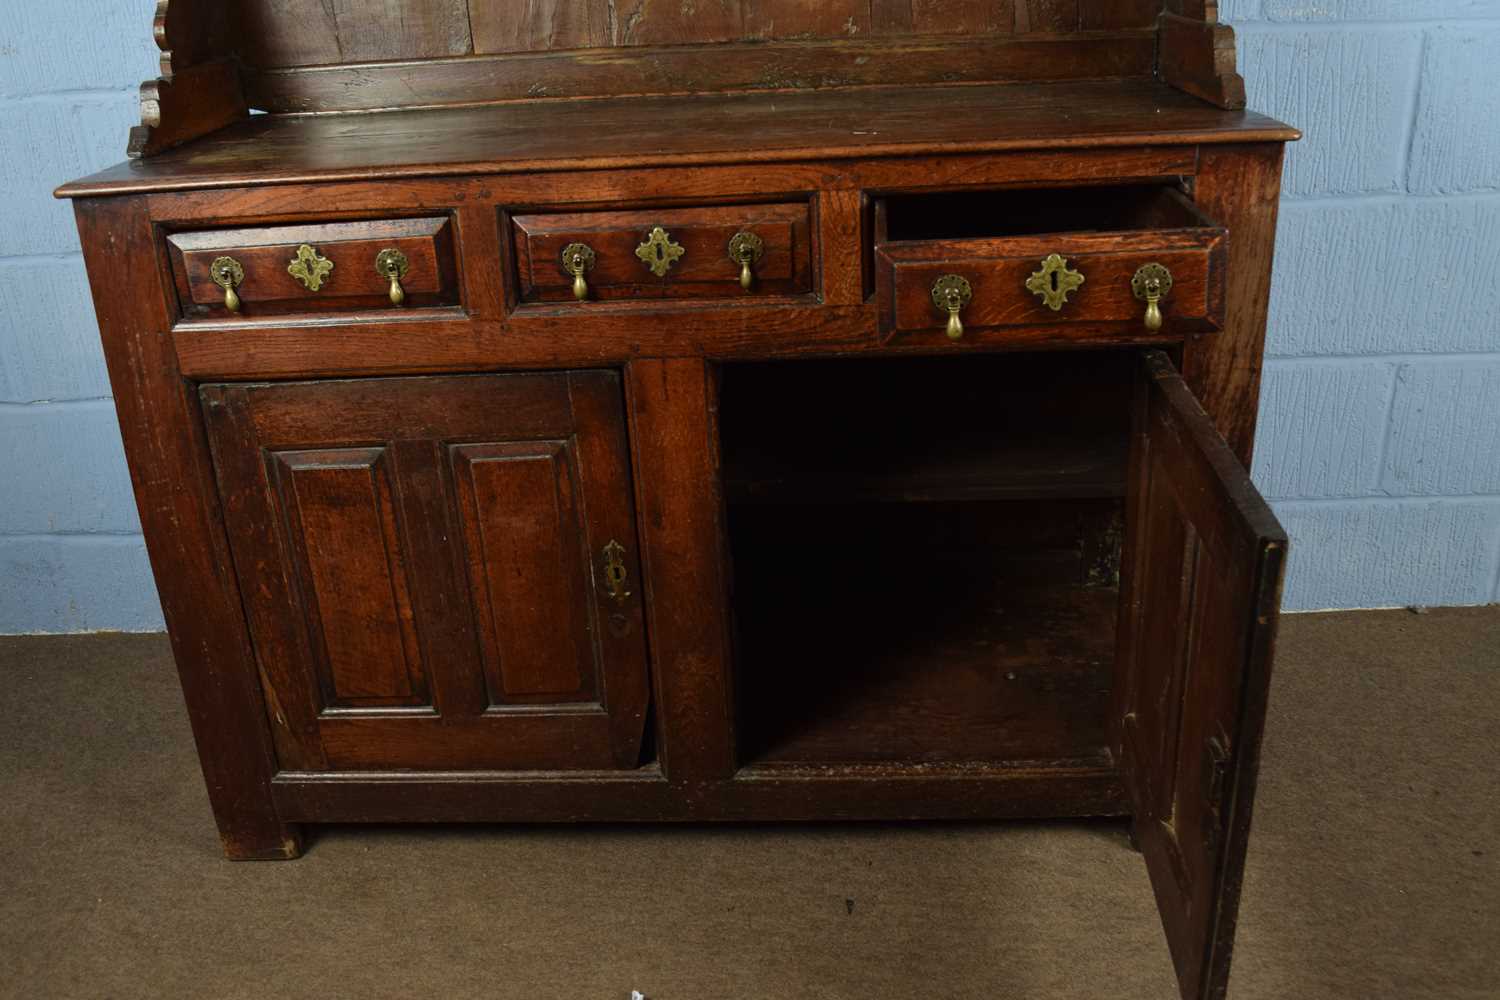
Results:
764 66
1002 668
779 793
199 89
351 247
1199 57
997 271
277 34
424 568
684 550
172 473
292 33
705 269
675 131
673 416
997 240
365 55
1202 587
1241 187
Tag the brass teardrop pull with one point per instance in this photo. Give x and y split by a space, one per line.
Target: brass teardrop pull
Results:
227 273
950 294
578 260
392 264
745 249
1151 284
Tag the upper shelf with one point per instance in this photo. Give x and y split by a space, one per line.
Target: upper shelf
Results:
685 130
221 61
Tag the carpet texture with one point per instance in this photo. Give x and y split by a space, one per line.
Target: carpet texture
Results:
1374 869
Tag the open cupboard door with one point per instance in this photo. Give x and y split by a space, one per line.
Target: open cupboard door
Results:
1201 590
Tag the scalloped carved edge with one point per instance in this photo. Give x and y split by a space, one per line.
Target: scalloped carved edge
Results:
1197 56
199 90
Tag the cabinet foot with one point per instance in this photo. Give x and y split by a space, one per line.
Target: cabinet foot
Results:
279 842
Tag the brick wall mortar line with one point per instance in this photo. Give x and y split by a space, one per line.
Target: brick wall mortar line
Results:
1388 197
32 405
1386 500
1390 430
1439 357
70 96
1416 111
74 537
1495 588
1262 26
20 259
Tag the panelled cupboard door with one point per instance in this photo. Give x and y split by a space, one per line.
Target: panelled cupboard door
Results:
1200 598
439 573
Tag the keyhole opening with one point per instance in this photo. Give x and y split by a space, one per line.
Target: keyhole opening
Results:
1053 278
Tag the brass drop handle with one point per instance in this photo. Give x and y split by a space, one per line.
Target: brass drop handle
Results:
578 260
950 294
227 273
746 249
1151 284
615 574
392 264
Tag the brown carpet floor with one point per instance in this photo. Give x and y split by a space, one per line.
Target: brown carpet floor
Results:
1374 869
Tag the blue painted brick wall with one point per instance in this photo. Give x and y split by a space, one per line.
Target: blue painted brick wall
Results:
1380 433
1380 440
71 555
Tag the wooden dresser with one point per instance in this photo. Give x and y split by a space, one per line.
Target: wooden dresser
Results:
737 410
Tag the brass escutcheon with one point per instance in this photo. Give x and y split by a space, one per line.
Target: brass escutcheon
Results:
615 573
745 249
1054 282
658 252
392 264
578 260
227 273
1151 284
950 294
309 267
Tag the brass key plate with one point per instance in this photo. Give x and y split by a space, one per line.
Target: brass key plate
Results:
1054 282
658 252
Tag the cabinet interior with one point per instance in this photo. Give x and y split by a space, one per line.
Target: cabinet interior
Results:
1032 211
925 556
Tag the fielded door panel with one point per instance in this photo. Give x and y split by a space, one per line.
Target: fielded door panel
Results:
439 573
1201 592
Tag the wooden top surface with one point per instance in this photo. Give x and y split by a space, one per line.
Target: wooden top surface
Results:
567 135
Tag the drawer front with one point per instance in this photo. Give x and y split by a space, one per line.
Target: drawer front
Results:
337 271
692 253
998 270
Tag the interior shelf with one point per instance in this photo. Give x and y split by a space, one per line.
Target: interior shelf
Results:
905 648
925 557
973 428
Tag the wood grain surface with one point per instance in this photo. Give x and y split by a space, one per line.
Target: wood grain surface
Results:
571 136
